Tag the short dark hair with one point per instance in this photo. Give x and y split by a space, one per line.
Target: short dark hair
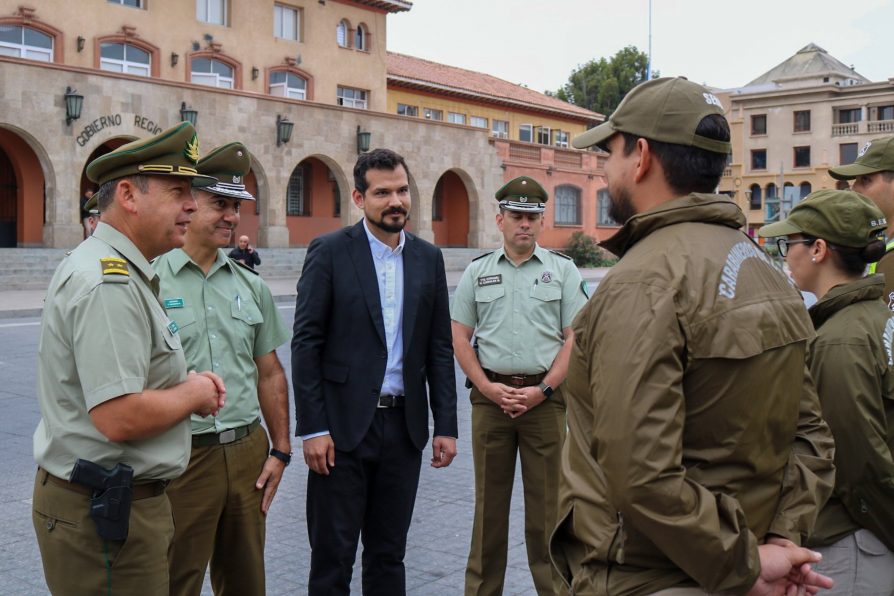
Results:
690 169
106 192
377 159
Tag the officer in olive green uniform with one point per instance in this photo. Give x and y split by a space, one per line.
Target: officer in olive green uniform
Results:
229 324
112 381
851 362
519 301
873 176
692 435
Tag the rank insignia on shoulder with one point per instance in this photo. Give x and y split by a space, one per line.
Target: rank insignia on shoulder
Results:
561 254
114 269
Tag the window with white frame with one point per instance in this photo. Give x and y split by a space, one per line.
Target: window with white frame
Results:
405 110
432 114
134 3
341 34
567 206
287 84
286 22
25 42
126 58
478 121
499 129
352 98
297 201
603 203
212 11
525 132
455 118
561 138
211 72
543 133
361 38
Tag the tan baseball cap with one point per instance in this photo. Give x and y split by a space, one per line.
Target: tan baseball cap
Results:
667 110
875 156
841 217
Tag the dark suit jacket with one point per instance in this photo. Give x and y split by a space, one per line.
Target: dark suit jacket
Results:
338 346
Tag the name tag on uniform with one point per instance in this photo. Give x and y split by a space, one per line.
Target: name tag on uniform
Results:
489 280
173 327
173 303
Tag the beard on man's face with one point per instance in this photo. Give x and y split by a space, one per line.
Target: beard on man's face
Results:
620 206
391 228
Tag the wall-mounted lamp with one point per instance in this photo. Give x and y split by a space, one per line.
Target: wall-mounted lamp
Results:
255 73
284 128
81 42
549 170
175 58
363 138
188 114
73 104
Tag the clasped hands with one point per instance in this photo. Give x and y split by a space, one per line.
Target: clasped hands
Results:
514 401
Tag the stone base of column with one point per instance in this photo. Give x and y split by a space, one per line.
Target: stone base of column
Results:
273 237
62 235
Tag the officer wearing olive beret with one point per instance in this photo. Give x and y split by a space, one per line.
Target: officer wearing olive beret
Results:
519 301
113 387
229 324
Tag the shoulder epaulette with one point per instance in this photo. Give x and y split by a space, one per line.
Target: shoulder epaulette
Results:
484 255
244 266
114 269
561 254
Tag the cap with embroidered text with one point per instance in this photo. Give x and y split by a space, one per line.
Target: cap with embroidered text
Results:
876 155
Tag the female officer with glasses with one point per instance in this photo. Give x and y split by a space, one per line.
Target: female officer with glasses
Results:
827 241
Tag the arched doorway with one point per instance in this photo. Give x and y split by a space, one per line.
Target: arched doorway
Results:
22 196
450 211
314 201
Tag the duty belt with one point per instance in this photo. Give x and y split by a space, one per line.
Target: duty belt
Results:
142 490
224 437
519 380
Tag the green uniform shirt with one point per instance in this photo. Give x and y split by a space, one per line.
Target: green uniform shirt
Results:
226 320
518 313
105 335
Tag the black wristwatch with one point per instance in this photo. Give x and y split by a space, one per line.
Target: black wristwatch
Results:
285 458
547 390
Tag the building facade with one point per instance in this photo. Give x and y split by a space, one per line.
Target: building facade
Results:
78 79
806 115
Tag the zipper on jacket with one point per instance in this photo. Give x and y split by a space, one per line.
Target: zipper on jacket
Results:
617 555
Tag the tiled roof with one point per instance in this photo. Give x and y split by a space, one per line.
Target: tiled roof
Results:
440 78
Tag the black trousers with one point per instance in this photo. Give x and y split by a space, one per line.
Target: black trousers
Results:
370 493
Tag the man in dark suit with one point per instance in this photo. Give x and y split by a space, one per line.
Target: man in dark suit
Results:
372 326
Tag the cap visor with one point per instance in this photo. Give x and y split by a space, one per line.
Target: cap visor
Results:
780 228
594 136
849 172
229 192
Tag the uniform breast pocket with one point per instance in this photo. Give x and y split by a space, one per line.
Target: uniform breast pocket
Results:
489 300
546 292
184 317
246 312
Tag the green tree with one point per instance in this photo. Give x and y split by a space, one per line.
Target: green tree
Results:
599 85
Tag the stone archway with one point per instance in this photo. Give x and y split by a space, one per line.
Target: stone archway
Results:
318 199
25 186
451 209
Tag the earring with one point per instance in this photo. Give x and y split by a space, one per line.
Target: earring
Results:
813 259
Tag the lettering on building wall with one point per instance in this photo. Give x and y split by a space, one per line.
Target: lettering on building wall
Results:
92 128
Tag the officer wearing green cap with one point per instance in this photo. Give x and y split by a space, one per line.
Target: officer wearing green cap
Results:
519 302
113 389
873 176
229 324
696 457
827 241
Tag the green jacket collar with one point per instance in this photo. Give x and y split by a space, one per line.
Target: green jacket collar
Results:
695 207
178 259
841 296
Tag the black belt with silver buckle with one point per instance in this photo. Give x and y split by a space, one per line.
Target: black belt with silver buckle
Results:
391 401
228 436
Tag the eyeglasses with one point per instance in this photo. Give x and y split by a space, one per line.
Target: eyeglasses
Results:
783 243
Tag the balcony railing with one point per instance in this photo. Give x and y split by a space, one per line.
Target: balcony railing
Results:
861 128
524 152
568 158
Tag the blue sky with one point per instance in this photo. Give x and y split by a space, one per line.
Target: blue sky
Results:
719 43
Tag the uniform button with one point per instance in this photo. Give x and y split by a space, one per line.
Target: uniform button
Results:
213 336
210 308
